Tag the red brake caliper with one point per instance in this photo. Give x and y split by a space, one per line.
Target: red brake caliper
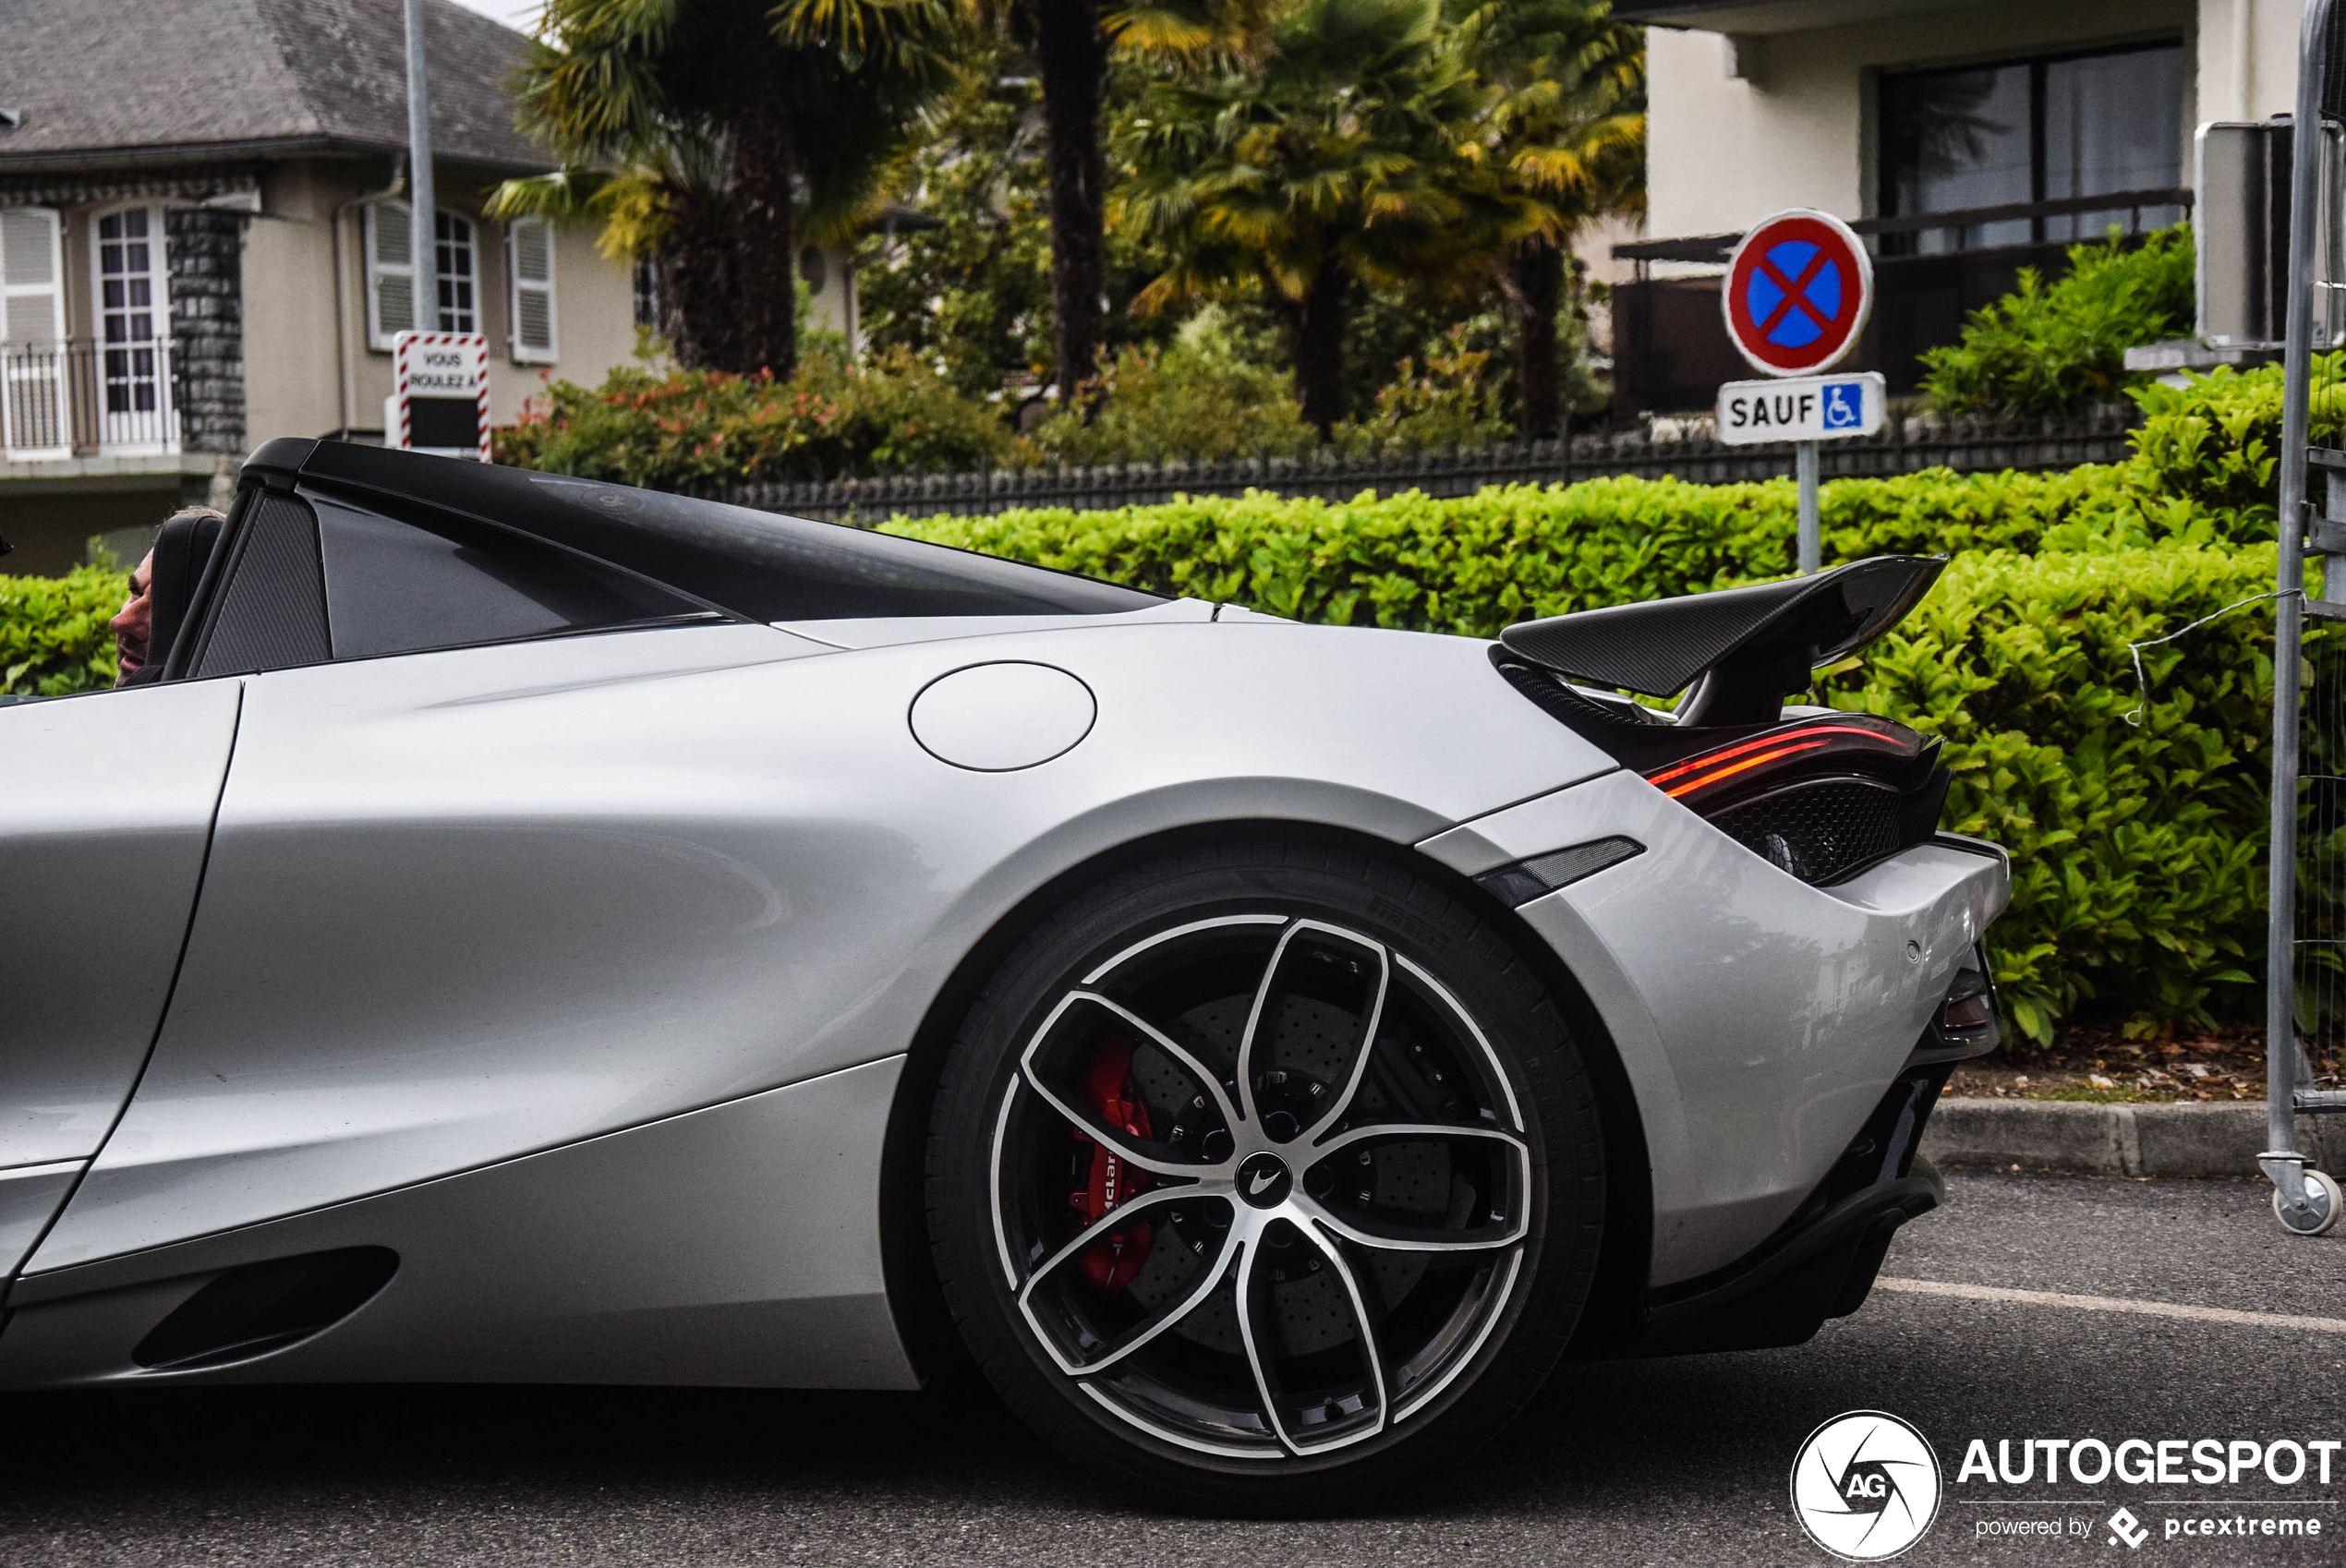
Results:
1108 1087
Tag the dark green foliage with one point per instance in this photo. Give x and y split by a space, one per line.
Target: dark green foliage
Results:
2050 348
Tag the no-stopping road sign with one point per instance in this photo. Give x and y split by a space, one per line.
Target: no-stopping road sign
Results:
1798 292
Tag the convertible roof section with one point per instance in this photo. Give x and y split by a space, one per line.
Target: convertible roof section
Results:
1659 647
757 565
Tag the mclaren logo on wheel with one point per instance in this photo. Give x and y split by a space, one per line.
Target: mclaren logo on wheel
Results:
1865 1486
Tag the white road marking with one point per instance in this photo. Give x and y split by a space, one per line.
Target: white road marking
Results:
2113 1304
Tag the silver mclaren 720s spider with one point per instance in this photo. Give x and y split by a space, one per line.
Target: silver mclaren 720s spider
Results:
518 928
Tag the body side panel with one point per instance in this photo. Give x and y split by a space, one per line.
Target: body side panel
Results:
736 1245
28 1195
464 906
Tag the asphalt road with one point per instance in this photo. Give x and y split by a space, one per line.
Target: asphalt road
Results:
1682 1463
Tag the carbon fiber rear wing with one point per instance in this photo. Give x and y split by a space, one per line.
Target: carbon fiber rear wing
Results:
1748 649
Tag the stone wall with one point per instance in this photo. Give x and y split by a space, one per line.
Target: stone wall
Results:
205 250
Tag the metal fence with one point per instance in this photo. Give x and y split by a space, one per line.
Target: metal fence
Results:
68 396
1905 446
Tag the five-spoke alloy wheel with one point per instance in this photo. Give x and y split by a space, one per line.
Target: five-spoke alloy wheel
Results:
1256 1167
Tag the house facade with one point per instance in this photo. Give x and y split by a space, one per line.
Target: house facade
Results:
1964 139
190 270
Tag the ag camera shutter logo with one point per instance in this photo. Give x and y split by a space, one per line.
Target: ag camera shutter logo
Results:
1865 1486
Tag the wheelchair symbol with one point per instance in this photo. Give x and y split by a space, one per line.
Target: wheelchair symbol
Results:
1845 404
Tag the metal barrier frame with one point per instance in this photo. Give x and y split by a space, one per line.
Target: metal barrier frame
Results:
2304 1201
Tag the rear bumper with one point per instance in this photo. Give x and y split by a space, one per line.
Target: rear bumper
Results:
1822 1262
1761 1023
1824 1269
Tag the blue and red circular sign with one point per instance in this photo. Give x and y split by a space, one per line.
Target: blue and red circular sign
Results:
1798 292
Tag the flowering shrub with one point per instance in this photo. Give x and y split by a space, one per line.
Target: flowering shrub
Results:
700 429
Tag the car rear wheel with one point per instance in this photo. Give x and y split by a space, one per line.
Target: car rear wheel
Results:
1264 1174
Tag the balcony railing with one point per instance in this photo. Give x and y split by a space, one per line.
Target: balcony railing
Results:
1670 352
2158 206
78 397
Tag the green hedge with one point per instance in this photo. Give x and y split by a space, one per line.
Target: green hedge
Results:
2138 848
1474 564
53 631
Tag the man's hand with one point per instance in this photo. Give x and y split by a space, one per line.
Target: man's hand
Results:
134 621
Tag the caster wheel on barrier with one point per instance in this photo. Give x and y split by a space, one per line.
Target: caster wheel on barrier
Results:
2324 1204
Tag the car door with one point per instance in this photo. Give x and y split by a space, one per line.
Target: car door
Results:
106 805
438 888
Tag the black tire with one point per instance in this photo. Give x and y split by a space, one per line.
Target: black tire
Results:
1468 1245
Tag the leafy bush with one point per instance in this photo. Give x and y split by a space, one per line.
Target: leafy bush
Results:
1202 399
2046 348
700 429
1453 402
2216 440
53 638
1209 397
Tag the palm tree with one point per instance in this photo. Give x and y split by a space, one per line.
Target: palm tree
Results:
1334 158
1564 126
698 130
1071 41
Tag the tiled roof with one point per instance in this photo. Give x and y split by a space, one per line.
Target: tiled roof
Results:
99 81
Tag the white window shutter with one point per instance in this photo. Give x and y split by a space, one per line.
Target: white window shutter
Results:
390 274
530 250
32 379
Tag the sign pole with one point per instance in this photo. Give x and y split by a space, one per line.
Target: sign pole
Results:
1812 542
423 239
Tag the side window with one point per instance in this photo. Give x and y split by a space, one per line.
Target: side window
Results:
394 587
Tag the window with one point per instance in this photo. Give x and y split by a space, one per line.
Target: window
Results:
32 379
390 274
2027 131
452 251
529 264
393 588
646 293
131 310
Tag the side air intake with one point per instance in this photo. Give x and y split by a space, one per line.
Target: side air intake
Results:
258 1308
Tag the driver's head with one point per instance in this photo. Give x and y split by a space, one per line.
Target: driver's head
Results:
134 624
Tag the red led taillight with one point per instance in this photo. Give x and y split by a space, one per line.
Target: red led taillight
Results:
1801 745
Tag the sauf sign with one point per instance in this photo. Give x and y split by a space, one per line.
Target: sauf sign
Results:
1809 409
440 394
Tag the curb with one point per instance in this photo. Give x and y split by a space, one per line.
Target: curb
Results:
2186 1139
